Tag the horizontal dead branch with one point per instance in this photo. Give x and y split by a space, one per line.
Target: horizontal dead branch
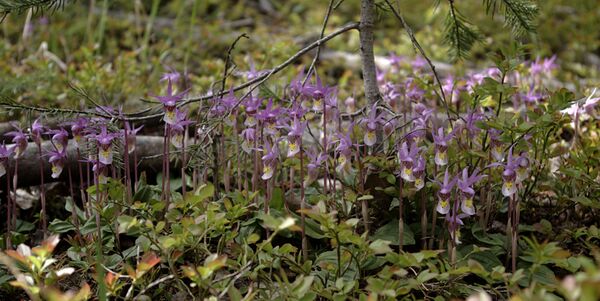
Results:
148 148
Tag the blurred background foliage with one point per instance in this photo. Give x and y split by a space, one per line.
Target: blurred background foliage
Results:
117 50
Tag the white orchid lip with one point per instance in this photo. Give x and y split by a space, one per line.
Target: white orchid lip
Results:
370 138
441 158
268 171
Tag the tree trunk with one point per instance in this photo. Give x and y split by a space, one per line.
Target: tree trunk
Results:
369 71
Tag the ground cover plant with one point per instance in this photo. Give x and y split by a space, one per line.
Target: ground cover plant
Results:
132 169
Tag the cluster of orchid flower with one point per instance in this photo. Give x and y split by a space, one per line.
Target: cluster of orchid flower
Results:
268 127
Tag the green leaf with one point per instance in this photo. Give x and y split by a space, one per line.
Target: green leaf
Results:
582 200
487 259
391 233
277 199
59 227
380 246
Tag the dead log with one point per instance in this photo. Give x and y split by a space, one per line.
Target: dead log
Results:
148 148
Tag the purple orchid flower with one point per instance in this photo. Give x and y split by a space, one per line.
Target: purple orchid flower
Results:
172 76
441 146
317 93
5 153
253 73
78 129
465 187
454 223
36 131
370 123
315 161
419 173
269 160
57 159
407 157
178 129
443 206
412 89
475 79
296 130
101 170
19 139
390 93
60 138
523 165
169 102
531 97
451 88
419 63
295 85
248 137
344 150
496 146
252 104
104 139
269 116
470 123
396 60
131 134
509 175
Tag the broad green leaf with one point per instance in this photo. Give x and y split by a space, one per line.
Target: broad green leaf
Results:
391 233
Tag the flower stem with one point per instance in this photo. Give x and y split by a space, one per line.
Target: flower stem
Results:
303 206
42 193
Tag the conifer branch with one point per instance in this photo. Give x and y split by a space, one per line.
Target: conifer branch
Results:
20 6
459 34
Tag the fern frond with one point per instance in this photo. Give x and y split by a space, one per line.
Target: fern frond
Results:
459 34
20 6
519 15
